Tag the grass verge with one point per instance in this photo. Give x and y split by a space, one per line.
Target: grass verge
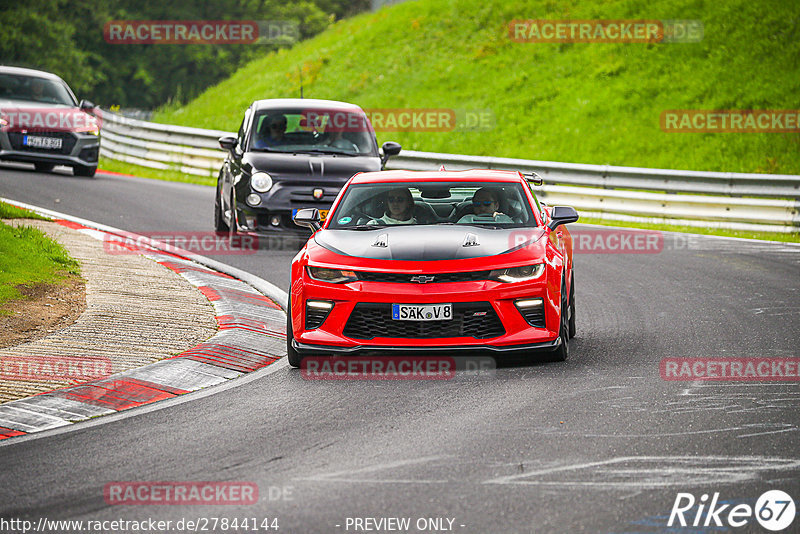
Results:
155 174
793 237
8 211
28 257
595 103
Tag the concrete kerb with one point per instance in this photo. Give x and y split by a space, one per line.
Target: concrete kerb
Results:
237 349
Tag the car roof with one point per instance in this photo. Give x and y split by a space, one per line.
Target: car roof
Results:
310 103
472 175
4 69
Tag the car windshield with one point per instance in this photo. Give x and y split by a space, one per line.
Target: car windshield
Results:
34 89
316 131
489 204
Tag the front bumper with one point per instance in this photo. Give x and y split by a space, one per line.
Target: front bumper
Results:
382 350
332 335
77 149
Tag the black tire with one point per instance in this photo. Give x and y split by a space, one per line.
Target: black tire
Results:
83 170
219 223
572 326
293 356
44 167
561 354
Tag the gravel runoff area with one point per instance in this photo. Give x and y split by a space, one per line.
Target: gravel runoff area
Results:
137 312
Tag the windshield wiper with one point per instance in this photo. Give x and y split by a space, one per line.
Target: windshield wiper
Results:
324 151
366 226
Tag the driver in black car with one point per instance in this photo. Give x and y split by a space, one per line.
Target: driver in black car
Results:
274 134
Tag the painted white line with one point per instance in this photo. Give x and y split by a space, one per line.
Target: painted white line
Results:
667 471
347 474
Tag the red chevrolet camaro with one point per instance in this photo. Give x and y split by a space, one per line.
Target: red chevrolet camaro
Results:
427 262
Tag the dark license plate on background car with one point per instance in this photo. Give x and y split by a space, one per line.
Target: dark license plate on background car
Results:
35 141
422 312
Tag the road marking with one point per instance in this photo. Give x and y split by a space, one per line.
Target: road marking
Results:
652 472
347 474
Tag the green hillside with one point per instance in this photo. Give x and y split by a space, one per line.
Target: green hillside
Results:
572 102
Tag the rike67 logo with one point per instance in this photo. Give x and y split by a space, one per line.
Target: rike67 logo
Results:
774 510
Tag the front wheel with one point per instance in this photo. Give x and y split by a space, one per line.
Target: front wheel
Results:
572 326
219 222
294 357
561 354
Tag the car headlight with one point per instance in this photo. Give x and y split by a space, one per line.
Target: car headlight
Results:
334 276
261 182
518 274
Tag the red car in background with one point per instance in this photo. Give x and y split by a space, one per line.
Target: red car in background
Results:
425 262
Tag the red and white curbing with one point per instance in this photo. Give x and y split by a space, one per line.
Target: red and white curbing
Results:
251 335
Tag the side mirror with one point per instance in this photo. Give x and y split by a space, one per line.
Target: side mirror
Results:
85 105
562 215
308 217
228 142
389 148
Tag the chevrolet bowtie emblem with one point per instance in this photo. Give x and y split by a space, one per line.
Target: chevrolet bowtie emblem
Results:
422 279
318 192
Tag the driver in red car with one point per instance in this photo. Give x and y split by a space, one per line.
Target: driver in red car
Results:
485 203
399 208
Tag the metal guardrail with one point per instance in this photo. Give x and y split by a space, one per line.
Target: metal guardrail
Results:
737 201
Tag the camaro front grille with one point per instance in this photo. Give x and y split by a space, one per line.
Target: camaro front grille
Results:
433 278
470 319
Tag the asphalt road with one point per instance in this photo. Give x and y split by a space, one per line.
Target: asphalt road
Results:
596 444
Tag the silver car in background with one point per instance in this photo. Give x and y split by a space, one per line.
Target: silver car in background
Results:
41 122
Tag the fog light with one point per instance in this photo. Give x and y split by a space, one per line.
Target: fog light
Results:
528 303
320 304
532 310
316 312
275 220
253 199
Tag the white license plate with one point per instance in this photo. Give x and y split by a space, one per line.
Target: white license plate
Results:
422 312
42 142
